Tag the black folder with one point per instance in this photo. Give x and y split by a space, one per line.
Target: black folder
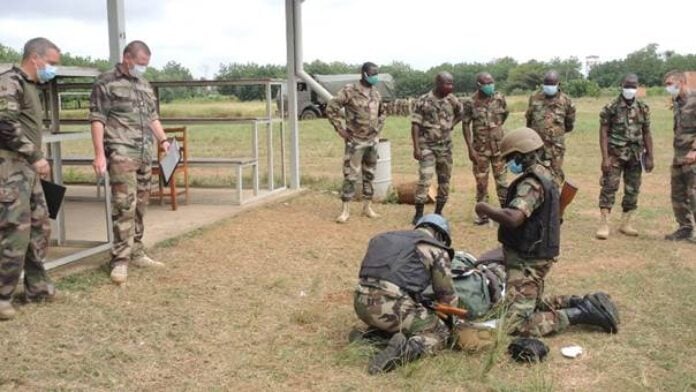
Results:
169 161
54 197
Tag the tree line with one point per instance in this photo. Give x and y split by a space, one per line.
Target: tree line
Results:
511 76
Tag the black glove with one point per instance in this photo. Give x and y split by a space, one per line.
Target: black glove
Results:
528 350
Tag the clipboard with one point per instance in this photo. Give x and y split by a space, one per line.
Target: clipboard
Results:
54 194
170 161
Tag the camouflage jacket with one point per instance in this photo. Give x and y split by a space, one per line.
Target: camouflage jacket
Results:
364 113
627 124
126 106
550 117
486 116
436 117
21 116
684 127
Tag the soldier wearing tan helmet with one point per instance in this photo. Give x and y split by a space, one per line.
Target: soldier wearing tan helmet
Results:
530 235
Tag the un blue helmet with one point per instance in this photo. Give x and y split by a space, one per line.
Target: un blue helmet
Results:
437 222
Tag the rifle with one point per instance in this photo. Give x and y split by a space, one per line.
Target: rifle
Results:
443 311
567 195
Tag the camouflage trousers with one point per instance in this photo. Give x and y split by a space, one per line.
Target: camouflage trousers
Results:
528 313
481 169
554 151
632 173
359 157
130 194
384 306
435 159
24 228
683 184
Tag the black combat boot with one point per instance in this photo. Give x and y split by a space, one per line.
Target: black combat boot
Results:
439 206
419 213
400 351
370 335
682 233
595 309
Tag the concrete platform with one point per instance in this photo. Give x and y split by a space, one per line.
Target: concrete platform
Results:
85 216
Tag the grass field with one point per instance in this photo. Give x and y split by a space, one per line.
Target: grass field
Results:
263 301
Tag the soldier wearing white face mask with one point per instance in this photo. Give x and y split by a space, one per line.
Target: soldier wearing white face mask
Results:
626 144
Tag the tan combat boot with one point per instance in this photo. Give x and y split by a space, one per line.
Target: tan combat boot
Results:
119 273
626 227
603 230
7 311
345 213
145 261
368 211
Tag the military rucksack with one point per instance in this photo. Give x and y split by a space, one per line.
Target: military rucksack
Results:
479 286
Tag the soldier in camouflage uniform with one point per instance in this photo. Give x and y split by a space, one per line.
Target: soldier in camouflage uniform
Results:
397 267
552 114
124 119
530 234
683 172
482 123
364 120
626 145
434 115
24 225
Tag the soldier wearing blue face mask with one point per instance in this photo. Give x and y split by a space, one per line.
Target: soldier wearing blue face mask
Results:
24 225
530 235
551 113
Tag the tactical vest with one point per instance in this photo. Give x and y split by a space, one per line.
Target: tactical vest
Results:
539 236
393 257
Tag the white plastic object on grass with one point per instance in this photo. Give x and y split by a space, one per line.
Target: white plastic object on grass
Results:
571 351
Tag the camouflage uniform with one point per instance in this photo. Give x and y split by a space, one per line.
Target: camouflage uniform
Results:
24 225
486 116
627 125
683 181
435 118
386 306
529 314
552 118
364 117
126 105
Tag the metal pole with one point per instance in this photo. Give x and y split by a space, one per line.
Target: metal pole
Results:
57 155
292 95
269 136
117 29
299 61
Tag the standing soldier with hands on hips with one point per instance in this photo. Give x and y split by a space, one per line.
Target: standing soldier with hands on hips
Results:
364 120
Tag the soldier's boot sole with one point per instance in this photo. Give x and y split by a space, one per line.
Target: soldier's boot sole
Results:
604 310
7 311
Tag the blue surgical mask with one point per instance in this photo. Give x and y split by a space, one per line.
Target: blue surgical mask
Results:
372 80
137 70
550 89
673 89
514 166
46 73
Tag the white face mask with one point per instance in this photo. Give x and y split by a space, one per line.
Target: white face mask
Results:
629 93
137 70
673 89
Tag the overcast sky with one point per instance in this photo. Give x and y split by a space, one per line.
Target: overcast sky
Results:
202 34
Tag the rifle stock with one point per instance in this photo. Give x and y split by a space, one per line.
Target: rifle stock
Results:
446 309
567 195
